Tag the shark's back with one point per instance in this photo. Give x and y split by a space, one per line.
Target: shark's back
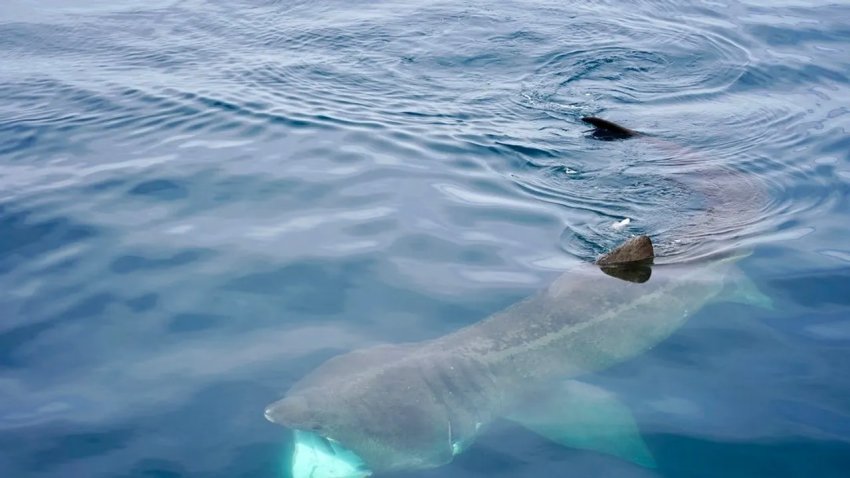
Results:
585 321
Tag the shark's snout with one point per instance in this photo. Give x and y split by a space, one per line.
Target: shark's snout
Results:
287 411
269 414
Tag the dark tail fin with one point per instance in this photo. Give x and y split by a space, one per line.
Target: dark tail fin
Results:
607 130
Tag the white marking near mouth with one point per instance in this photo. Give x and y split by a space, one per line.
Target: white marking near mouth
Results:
315 456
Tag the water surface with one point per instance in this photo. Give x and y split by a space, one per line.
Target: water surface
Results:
201 201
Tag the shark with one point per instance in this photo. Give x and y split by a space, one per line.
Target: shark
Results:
413 406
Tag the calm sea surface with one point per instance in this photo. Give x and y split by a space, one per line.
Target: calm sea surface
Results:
201 201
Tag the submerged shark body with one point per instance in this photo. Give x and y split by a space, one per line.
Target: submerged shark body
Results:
417 405
414 406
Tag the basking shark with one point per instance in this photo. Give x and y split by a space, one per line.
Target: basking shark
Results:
417 405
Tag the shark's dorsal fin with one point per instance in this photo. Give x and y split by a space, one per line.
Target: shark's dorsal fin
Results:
636 250
630 260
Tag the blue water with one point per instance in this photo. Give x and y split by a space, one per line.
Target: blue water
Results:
201 201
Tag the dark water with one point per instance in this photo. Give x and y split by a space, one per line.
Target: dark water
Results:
200 201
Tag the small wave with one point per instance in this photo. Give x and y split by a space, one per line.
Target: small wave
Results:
635 56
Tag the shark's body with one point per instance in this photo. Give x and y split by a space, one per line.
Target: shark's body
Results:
413 406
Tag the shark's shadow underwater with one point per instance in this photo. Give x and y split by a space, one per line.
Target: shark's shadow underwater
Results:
417 405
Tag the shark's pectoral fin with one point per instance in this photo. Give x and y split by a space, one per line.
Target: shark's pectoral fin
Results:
583 416
743 290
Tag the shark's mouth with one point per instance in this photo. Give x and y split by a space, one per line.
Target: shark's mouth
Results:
315 456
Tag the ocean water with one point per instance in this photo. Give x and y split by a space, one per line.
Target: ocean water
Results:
202 201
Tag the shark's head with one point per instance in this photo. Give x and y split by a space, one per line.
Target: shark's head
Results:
303 412
351 420
318 421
